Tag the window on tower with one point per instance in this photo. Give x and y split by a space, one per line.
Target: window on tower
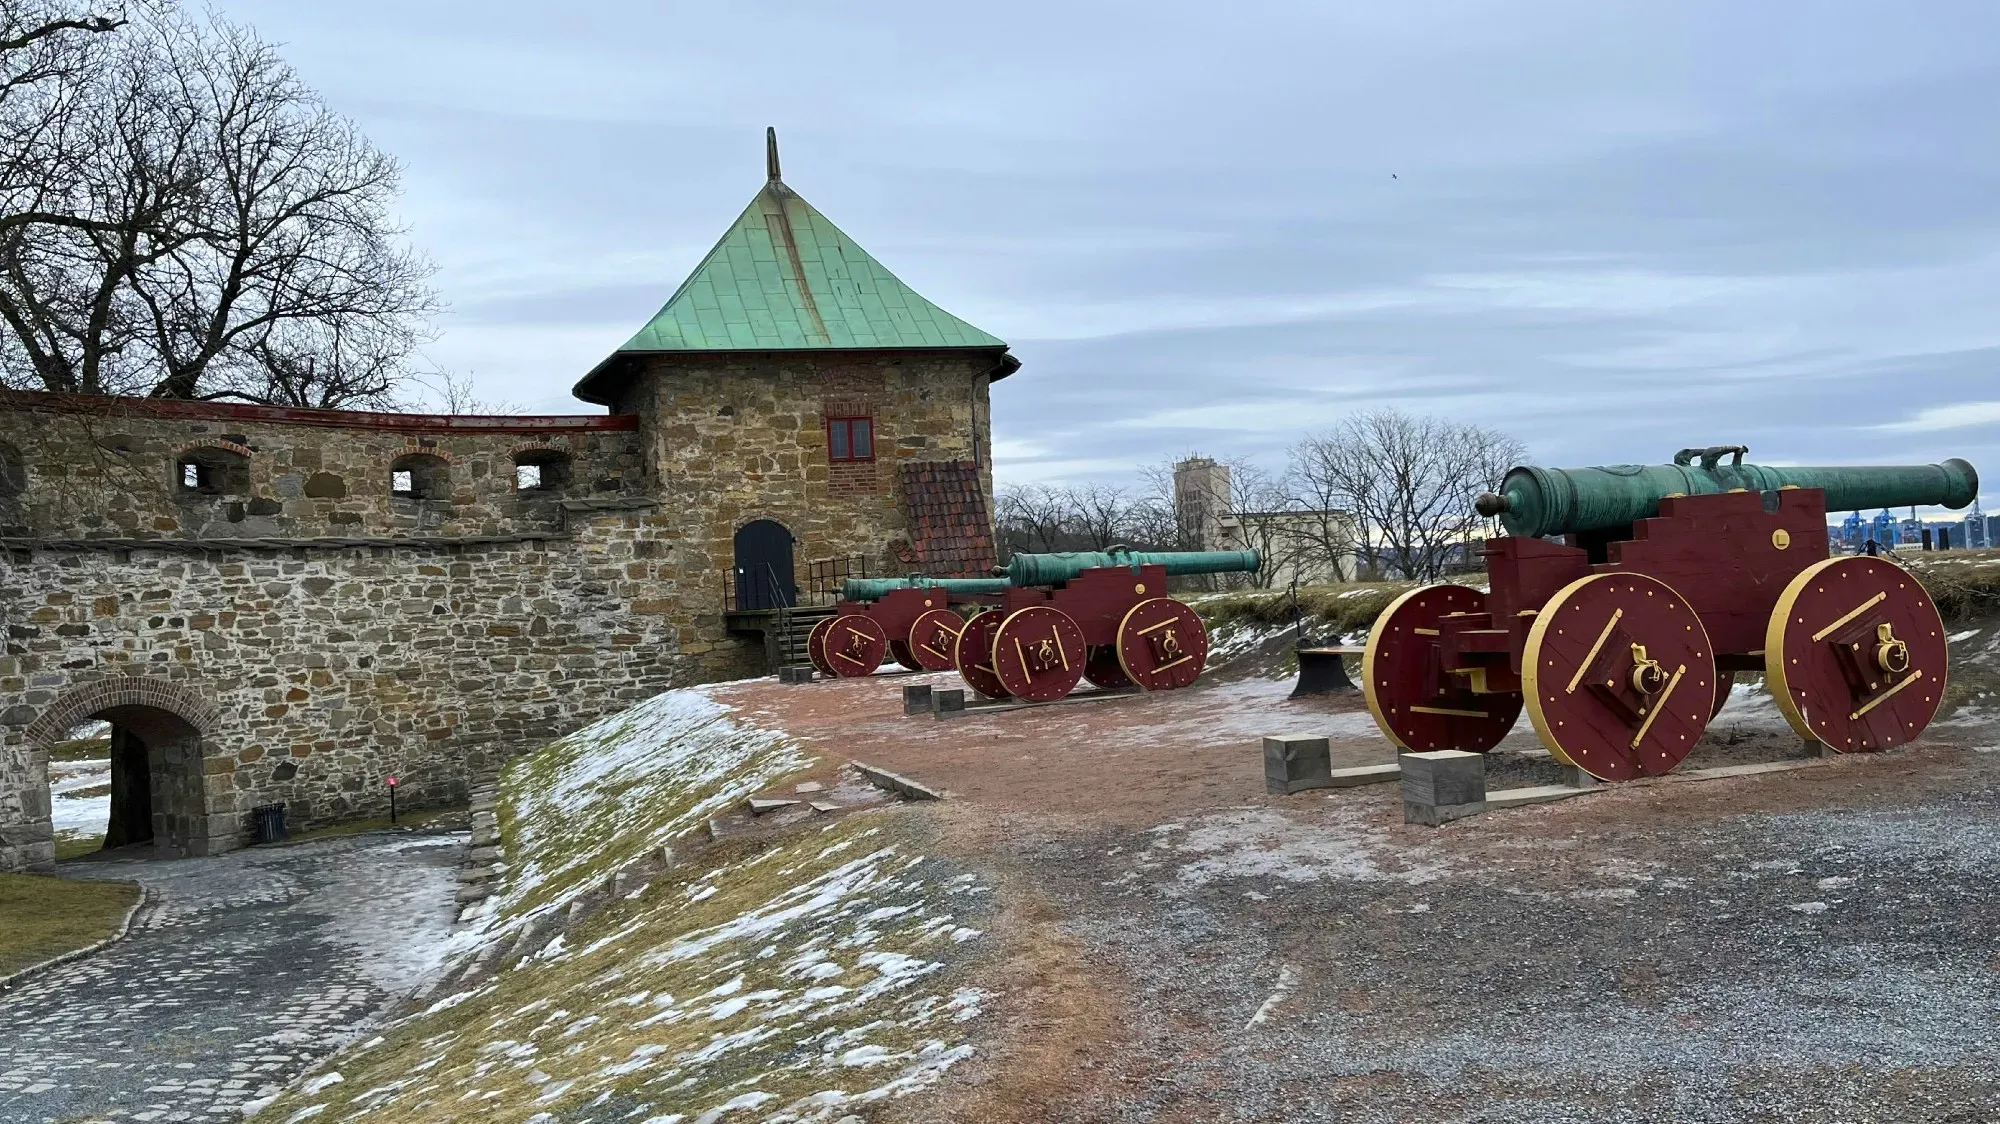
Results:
850 439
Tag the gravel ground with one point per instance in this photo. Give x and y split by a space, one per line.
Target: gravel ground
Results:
244 970
1668 955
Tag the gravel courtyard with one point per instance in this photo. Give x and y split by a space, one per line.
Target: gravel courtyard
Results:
241 971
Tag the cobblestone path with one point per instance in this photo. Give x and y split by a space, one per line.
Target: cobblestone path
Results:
241 971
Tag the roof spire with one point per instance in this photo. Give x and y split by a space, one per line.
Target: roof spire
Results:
771 153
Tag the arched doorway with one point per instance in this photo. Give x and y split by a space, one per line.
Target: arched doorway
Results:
158 768
156 781
764 566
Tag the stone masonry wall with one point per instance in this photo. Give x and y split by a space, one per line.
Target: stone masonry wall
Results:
745 439
97 468
327 670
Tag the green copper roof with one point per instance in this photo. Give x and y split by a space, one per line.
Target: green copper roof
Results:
784 277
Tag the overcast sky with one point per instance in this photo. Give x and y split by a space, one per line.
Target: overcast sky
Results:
1611 229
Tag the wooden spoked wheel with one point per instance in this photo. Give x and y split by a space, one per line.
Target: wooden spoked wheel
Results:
855 645
1102 669
816 646
1619 676
1415 703
933 638
1039 653
973 654
1162 644
1855 655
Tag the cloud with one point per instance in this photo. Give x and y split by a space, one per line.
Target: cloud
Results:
1934 419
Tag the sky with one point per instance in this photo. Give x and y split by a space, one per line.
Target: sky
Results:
1611 230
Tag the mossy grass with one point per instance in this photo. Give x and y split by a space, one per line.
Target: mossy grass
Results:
693 994
42 917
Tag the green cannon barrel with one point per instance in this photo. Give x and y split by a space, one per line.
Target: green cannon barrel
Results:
873 589
1559 501
1050 569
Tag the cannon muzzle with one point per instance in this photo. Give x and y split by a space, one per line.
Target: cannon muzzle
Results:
1560 501
873 589
1053 569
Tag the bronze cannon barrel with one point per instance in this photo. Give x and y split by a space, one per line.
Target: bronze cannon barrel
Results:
1558 501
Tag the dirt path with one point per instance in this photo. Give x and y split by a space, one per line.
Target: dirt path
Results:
1815 945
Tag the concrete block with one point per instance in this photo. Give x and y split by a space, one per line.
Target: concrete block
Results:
1443 785
892 782
1573 776
801 673
1539 794
760 805
917 699
1365 774
948 702
1297 762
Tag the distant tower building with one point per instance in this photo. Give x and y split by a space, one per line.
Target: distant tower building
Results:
1201 500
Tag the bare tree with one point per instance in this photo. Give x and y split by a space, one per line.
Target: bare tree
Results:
238 242
1408 482
47 48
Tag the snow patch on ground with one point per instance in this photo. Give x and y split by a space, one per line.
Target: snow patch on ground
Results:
597 800
1263 843
78 816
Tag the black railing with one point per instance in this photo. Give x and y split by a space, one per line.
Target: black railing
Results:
826 576
760 587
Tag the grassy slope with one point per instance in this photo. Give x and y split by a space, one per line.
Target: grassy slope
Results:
791 978
42 917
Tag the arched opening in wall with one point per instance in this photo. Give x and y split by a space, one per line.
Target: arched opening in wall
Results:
763 574
541 472
13 471
147 788
209 471
420 476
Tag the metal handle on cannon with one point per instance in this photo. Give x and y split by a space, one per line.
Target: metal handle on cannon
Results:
1711 455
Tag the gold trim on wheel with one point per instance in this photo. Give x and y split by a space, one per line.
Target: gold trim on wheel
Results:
1775 680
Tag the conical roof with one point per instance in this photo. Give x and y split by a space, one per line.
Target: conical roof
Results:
784 278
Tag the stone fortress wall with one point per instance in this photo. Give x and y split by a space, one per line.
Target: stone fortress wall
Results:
285 618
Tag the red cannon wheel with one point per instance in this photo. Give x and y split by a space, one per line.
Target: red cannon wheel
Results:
1162 644
973 654
899 650
816 646
855 645
1855 655
1619 676
1104 670
1039 653
933 638
1415 703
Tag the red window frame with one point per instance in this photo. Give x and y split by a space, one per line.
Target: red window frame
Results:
841 443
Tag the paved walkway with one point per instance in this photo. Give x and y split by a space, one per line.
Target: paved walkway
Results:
242 971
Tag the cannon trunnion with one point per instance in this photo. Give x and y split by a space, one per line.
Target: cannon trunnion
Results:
1622 641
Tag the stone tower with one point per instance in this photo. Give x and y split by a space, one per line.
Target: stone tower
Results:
794 391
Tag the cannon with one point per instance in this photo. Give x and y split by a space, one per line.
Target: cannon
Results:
1100 616
909 619
1622 640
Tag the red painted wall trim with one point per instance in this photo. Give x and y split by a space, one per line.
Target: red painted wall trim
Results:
295 415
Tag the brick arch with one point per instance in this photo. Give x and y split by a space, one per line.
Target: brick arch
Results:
540 447
213 443
84 700
415 450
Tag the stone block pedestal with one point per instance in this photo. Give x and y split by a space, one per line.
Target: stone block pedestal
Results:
1297 762
1443 785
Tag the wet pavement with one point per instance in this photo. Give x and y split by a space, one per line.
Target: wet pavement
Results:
239 973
